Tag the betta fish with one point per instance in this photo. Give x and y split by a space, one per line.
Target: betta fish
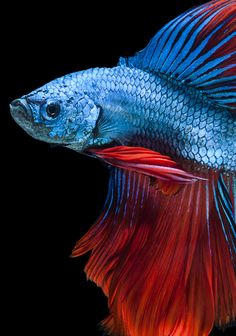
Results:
164 120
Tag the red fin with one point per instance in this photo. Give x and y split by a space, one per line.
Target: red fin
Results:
163 262
145 161
168 188
223 242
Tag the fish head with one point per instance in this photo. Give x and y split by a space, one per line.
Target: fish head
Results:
57 113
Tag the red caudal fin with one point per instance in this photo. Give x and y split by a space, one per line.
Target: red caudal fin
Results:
166 263
223 244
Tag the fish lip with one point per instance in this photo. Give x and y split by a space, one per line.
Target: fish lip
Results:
21 113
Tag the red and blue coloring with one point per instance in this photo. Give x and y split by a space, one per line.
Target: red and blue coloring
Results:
164 248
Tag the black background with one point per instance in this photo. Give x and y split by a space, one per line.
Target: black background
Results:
54 195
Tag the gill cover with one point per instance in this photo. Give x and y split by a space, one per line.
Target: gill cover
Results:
76 121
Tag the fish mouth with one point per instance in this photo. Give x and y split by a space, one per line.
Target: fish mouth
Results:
21 113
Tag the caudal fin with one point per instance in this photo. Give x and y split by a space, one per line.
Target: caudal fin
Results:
166 263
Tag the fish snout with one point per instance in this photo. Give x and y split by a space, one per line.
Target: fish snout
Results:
20 111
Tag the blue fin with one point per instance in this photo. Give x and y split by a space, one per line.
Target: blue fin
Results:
197 48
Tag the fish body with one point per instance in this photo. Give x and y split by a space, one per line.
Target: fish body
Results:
161 114
150 110
164 247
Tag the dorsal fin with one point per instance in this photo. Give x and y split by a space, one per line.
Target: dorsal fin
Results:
197 48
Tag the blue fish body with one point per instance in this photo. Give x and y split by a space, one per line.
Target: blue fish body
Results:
164 248
145 109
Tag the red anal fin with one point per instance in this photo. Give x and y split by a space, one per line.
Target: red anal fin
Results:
147 162
166 264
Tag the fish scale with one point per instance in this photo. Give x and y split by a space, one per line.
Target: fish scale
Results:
167 115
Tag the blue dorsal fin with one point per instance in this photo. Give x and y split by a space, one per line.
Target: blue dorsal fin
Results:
197 48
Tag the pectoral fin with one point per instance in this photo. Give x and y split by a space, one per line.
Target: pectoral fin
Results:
147 162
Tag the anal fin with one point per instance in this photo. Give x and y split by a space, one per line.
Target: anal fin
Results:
163 261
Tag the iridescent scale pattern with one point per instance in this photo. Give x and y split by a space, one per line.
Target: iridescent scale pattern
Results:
167 115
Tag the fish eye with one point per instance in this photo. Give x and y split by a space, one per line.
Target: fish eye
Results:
53 109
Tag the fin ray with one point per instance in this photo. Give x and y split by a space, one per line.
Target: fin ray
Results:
145 161
164 261
197 48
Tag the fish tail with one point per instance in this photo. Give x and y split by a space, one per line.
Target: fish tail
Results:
223 247
165 262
